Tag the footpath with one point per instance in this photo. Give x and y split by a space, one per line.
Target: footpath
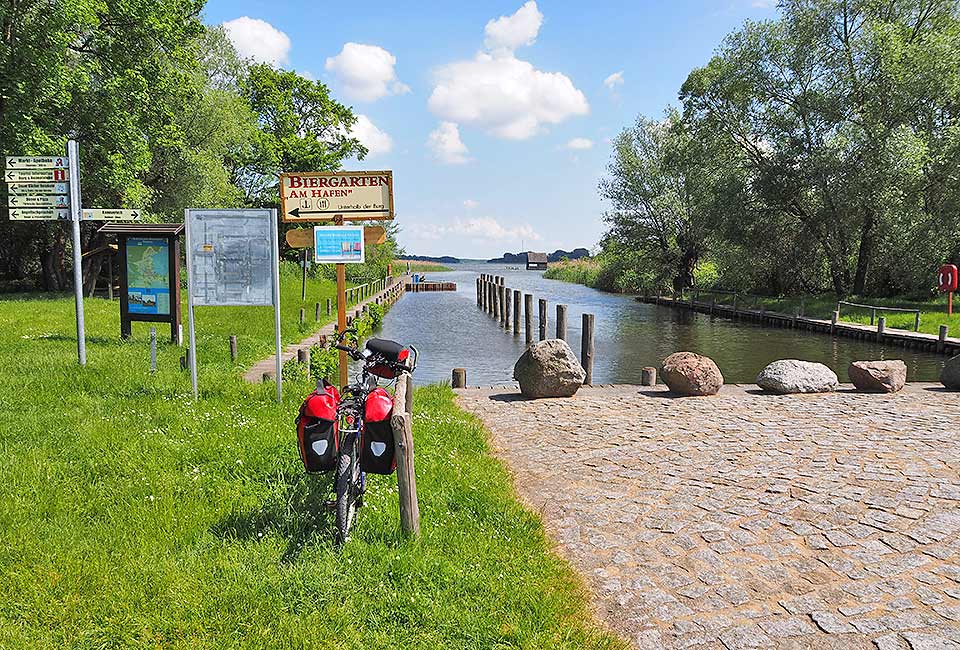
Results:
748 520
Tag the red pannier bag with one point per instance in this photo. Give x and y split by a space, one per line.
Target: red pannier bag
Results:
377 453
316 436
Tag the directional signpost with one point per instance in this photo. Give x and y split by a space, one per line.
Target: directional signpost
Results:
48 188
335 197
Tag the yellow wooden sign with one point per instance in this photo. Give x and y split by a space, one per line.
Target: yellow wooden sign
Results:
303 237
329 196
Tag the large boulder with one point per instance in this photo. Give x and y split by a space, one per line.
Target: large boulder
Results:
950 375
549 369
688 373
794 376
878 376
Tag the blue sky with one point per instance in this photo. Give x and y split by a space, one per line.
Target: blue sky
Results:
495 116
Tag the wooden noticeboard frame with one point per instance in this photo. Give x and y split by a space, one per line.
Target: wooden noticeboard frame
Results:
170 233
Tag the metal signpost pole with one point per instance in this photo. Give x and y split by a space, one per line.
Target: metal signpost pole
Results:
342 316
192 351
274 237
73 154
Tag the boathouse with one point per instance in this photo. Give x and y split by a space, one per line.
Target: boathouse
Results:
536 261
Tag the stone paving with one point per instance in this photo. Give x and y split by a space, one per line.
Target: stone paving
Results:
747 520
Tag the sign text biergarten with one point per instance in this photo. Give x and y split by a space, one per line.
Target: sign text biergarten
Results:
324 196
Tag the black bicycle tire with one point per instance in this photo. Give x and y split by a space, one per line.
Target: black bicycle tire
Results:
346 499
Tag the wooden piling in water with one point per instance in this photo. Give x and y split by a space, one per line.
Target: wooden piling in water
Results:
507 299
496 301
516 312
562 322
586 348
459 378
528 317
542 309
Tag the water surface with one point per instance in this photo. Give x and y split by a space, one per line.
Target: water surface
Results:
452 332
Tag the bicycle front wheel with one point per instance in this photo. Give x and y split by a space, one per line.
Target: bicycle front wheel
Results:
347 485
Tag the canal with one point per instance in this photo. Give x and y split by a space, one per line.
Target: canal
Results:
451 331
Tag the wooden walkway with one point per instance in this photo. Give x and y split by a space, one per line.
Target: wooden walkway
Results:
265 369
903 338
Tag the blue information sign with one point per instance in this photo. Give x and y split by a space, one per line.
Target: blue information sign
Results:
338 244
148 275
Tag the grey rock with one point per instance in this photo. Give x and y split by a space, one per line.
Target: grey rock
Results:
878 376
549 369
950 375
793 376
688 373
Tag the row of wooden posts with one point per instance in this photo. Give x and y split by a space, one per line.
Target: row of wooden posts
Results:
504 304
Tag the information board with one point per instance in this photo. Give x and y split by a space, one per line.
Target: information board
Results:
230 251
148 275
338 244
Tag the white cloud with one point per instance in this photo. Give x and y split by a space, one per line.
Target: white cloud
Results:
614 80
510 32
470 204
376 141
504 95
478 229
366 72
258 40
445 144
579 144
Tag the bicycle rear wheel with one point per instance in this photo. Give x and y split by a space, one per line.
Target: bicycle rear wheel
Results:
347 485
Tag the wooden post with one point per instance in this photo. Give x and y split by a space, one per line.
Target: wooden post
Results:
833 321
402 424
516 312
303 356
942 339
233 348
496 302
303 315
479 289
328 306
507 299
110 276
916 323
459 378
562 322
648 376
542 309
586 348
881 327
303 283
528 317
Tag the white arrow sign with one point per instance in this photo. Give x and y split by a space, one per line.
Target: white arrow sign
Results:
38 188
37 162
61 201
26 214
110 215
35 175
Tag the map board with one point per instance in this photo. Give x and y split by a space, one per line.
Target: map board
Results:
231 256
338 244
148 275
326 196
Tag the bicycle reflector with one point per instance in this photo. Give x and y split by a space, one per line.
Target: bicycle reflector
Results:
403 355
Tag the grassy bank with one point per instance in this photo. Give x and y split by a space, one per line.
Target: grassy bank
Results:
582 271
132 517
425 266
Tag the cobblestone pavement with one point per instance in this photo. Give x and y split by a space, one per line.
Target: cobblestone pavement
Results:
748 520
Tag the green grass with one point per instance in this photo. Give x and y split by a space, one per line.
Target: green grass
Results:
583 271
132 517
426 267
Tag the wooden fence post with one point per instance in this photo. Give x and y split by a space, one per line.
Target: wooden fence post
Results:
586 348
328 306
528 317
542 308
459 378
233 348
516 312
303 315
562 322
402 424
303 356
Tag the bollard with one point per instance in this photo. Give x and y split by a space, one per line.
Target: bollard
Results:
459 378
942 339
528 317
586 348
153 349
328 306
562 322
648 376
833 321
316 313
916 323
507 299
542 309
516 312
303 356
881 327
233 348
303 315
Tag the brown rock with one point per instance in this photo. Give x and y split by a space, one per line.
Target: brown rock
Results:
688 373
878 376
